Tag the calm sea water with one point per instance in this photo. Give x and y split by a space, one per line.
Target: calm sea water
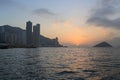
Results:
60 64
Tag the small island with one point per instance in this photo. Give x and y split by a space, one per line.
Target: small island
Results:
103 44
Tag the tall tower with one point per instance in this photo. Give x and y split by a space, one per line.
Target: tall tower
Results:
36 35
29 39
2 34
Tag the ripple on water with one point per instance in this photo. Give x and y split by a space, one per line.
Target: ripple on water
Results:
79 78
66 72
91 71
114 77
60 64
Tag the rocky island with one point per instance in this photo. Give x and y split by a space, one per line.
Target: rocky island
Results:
103 44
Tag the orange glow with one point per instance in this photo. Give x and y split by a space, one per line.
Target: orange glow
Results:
75 39
68 32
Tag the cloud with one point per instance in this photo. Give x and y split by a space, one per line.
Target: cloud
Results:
2 2
104 14
7 3
44 11
11 4
48 15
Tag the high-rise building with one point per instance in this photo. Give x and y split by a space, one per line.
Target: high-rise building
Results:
29 38
2 35
36 35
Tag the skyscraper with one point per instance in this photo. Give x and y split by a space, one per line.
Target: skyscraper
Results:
36 35
2 34
29 38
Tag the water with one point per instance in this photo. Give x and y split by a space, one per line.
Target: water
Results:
60 64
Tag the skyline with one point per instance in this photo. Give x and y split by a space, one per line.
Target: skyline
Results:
78 22
15 37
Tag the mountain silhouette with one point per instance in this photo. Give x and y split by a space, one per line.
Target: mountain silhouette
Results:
103 44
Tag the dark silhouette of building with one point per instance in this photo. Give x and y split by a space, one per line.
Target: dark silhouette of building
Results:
2 35
36 35
29 38
13 36
47 42
17 37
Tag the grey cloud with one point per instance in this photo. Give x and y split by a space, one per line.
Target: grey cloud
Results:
104 22
7 2
50 15
101 15
44 11
11 4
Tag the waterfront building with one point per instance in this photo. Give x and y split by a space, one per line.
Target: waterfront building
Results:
36 35
29 38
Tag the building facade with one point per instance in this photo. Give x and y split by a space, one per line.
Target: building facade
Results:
36 35
29 36
2 35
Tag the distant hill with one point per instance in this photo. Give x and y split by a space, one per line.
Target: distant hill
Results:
103 44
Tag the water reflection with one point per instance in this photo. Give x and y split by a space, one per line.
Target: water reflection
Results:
59 64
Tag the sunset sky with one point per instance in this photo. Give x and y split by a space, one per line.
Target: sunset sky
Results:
74 22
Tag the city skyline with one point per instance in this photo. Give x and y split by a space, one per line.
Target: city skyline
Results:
78 22
16 37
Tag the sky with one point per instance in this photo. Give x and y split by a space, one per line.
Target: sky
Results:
74 22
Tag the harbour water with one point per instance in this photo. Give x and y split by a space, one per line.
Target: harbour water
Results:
60 64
